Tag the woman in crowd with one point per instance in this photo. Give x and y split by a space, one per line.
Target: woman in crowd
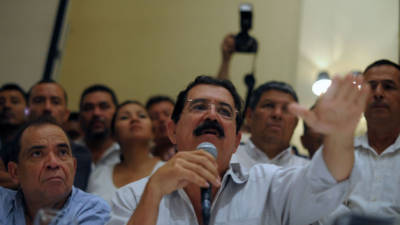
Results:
131 127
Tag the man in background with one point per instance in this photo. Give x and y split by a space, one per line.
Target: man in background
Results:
12 117
271 127
73 127
97 107
378 150
160 109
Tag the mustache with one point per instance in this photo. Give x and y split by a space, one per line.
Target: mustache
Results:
378 104
95 120
209 125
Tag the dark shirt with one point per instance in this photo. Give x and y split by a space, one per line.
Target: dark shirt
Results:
84 165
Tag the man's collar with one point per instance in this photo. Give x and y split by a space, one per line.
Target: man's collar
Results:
256 152
362 142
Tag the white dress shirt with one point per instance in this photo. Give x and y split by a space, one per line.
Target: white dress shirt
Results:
267 194
249 155
378 193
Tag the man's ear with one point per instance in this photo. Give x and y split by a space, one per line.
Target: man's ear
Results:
171 130
13 171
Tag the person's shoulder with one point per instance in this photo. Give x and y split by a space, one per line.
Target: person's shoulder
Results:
6 194
83 199
135 188
127 197
88 208
263 171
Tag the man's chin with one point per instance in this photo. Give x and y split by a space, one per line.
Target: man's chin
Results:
96 135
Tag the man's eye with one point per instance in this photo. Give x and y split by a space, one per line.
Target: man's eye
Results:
389 87
268 105
64 152
142 116
56 101
104 106
225 112
36 154
38 100
87 107
14 101
123 117
199 107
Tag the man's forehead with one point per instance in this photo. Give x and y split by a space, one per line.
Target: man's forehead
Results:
161 106
210 92
383 72
97 97
41 135
13 93
48 89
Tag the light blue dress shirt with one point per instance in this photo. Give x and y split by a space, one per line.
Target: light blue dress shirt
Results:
85 208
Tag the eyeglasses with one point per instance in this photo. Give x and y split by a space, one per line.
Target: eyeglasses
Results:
202 105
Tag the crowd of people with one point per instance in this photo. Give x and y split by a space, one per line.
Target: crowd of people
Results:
134 163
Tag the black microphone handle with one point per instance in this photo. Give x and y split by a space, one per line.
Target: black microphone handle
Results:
206 204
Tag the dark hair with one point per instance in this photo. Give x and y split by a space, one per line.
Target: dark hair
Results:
382 62
158 98
73 116
48 81
14 148
127 102
180 102
14 87
271 85
98 88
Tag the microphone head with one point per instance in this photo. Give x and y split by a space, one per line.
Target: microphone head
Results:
209 147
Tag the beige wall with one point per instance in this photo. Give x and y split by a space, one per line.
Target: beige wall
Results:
141 48
25 32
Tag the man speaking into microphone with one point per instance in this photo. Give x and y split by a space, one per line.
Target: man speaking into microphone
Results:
209 110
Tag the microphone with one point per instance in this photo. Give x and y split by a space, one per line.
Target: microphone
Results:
206 192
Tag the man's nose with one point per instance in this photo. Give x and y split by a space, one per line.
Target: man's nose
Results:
212 111
378 92
97 111
48 106
52 161
277 113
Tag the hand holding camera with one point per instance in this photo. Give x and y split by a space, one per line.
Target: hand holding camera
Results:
243 41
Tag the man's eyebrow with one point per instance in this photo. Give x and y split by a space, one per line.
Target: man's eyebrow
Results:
63 145
35 147
376 81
